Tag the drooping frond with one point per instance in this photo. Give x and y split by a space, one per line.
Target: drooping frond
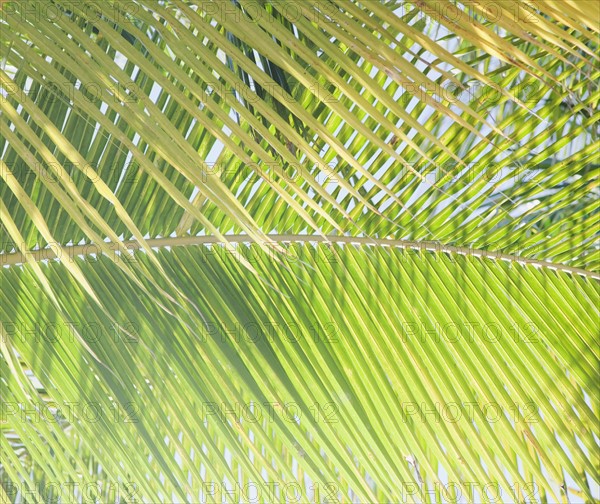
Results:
363 357
329 359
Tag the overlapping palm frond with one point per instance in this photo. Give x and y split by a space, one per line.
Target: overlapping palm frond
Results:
365 251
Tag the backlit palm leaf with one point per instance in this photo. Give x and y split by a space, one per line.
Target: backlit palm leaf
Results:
365 251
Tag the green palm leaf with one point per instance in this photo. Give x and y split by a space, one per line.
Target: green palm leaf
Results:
321 251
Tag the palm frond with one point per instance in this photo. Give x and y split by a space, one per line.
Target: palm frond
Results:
328 250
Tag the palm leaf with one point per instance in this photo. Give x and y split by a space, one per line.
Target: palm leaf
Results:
283 252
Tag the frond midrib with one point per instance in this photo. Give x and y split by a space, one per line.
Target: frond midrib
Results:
71 251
